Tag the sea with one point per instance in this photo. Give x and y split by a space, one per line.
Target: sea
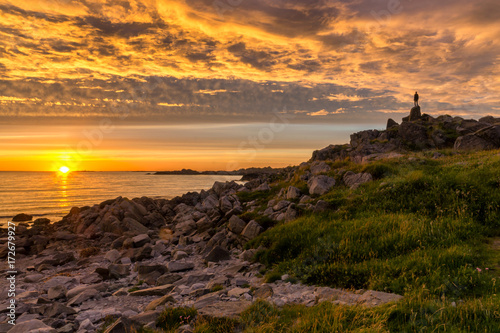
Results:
53 194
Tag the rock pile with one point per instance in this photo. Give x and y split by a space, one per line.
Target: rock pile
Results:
416 132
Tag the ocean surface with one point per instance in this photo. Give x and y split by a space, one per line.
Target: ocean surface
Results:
52 194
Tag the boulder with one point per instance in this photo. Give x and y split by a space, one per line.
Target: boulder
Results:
118 271
140 240
391 123
252 230
319 185
178 266
354 180
56 292
262 188
319 167
159 301
415 113
56 309
472 142
236 224
112 255
33 325
22 218
155 291
218 254
293 193
83 296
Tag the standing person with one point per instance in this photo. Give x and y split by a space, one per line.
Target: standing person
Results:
415 99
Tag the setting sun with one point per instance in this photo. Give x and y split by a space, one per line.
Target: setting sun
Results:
64 169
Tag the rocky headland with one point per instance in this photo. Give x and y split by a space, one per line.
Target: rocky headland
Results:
124 260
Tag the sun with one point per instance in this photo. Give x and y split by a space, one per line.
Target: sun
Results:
64 169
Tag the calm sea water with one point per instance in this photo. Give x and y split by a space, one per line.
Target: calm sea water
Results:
52 194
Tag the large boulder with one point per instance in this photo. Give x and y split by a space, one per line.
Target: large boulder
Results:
22 218
236 225
319 185
293 193
415 113
252 230
484 139
353 180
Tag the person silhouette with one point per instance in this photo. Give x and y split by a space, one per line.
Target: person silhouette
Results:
415 99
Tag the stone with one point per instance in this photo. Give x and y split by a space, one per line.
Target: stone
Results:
83 296
56 309
57 292
140 240
168 279
321 206
354 180
224 309
122 325
112 255
180 255
472 142
142 253
415 113
237 292
290 214
262 188
319 167
248 255
206 300
155 291
197 278
319 185
27 294
75 291
33 325
186 227
60 280
283 204
236 224
218 254
41 222
86 325
293 193
264 291
204 224
33 278
178 266
391 123
118 271
22 218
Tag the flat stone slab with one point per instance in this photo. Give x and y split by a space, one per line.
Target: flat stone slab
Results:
155 291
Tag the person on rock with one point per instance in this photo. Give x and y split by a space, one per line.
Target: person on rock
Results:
415 99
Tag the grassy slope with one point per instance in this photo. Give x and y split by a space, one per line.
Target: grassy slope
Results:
422 229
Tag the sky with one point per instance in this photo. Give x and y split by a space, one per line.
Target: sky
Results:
227 84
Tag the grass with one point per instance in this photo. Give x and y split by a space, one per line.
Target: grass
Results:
171 319
425 228
421 229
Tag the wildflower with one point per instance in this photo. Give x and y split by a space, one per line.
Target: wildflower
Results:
478 269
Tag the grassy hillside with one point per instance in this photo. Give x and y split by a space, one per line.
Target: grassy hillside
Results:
424 229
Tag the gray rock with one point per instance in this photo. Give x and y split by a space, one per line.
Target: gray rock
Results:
319 167
33 278
180 255
415 113
56 309
112 255
224 309
321 206
283 204
319 185
204 224
252 230
159 301
155 291
248 255
118 271
290 214
83 296
262 188
391 123
168 279
178 266
140 240
75 291
293 193
33 325
57 292
264 291
236 224
354 180
218 254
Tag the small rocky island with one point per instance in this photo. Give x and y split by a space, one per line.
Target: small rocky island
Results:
125 260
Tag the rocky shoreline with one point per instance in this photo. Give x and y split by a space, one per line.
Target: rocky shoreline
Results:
128 259
125 260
